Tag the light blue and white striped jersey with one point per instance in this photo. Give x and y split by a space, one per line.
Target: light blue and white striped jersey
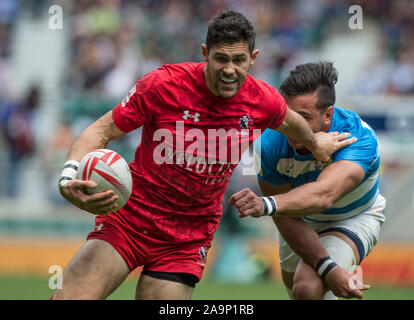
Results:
277 163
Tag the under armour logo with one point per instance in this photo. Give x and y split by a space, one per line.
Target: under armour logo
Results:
98 228
192 116
203 253
203 256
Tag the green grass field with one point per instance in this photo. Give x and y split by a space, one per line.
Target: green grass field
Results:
36 288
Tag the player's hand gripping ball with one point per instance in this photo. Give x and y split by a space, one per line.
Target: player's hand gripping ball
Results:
110 171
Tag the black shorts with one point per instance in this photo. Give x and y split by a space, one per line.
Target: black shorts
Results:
186 278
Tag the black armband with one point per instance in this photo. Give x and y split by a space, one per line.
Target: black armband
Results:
324 266
270 206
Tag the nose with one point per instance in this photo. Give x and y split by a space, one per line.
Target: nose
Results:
228 70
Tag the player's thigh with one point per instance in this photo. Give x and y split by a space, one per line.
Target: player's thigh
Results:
360 232
338 248
150 288
94 272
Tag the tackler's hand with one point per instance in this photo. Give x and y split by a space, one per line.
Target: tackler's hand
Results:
344 284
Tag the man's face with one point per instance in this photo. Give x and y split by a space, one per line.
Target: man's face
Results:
318 120
227 67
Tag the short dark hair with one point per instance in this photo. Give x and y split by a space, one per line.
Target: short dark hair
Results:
308 78
230 26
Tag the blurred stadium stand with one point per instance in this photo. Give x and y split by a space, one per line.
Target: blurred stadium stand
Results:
86 68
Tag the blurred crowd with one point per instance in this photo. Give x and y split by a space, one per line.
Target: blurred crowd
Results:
16 113
112 43
392 71
115 42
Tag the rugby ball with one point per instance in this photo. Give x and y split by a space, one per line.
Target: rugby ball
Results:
110 171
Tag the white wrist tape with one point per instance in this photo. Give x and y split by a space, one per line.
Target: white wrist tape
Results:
270 206
69 172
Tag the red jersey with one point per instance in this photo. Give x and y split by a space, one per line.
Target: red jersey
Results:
191 142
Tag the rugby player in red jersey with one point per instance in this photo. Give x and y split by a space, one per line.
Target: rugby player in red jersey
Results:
180 172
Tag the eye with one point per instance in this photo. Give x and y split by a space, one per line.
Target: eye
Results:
240 60
221 59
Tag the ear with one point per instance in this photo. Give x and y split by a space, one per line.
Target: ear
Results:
328 115
254 55
204 52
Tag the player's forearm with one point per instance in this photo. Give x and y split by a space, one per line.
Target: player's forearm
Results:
96 136
302 239
90 139
305 200
298 129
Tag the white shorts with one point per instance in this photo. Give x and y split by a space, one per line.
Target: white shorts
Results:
363 229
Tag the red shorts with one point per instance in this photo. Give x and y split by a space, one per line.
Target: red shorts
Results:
154 254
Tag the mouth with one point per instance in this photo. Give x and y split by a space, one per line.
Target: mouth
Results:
228 82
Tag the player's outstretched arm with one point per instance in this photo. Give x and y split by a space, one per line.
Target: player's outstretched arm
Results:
335 181
96 136
321 144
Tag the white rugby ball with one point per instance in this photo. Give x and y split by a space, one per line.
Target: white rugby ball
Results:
110 171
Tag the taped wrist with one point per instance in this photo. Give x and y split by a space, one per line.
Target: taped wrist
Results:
324 266
270 206
69 172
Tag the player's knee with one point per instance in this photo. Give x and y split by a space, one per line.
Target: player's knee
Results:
308 290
